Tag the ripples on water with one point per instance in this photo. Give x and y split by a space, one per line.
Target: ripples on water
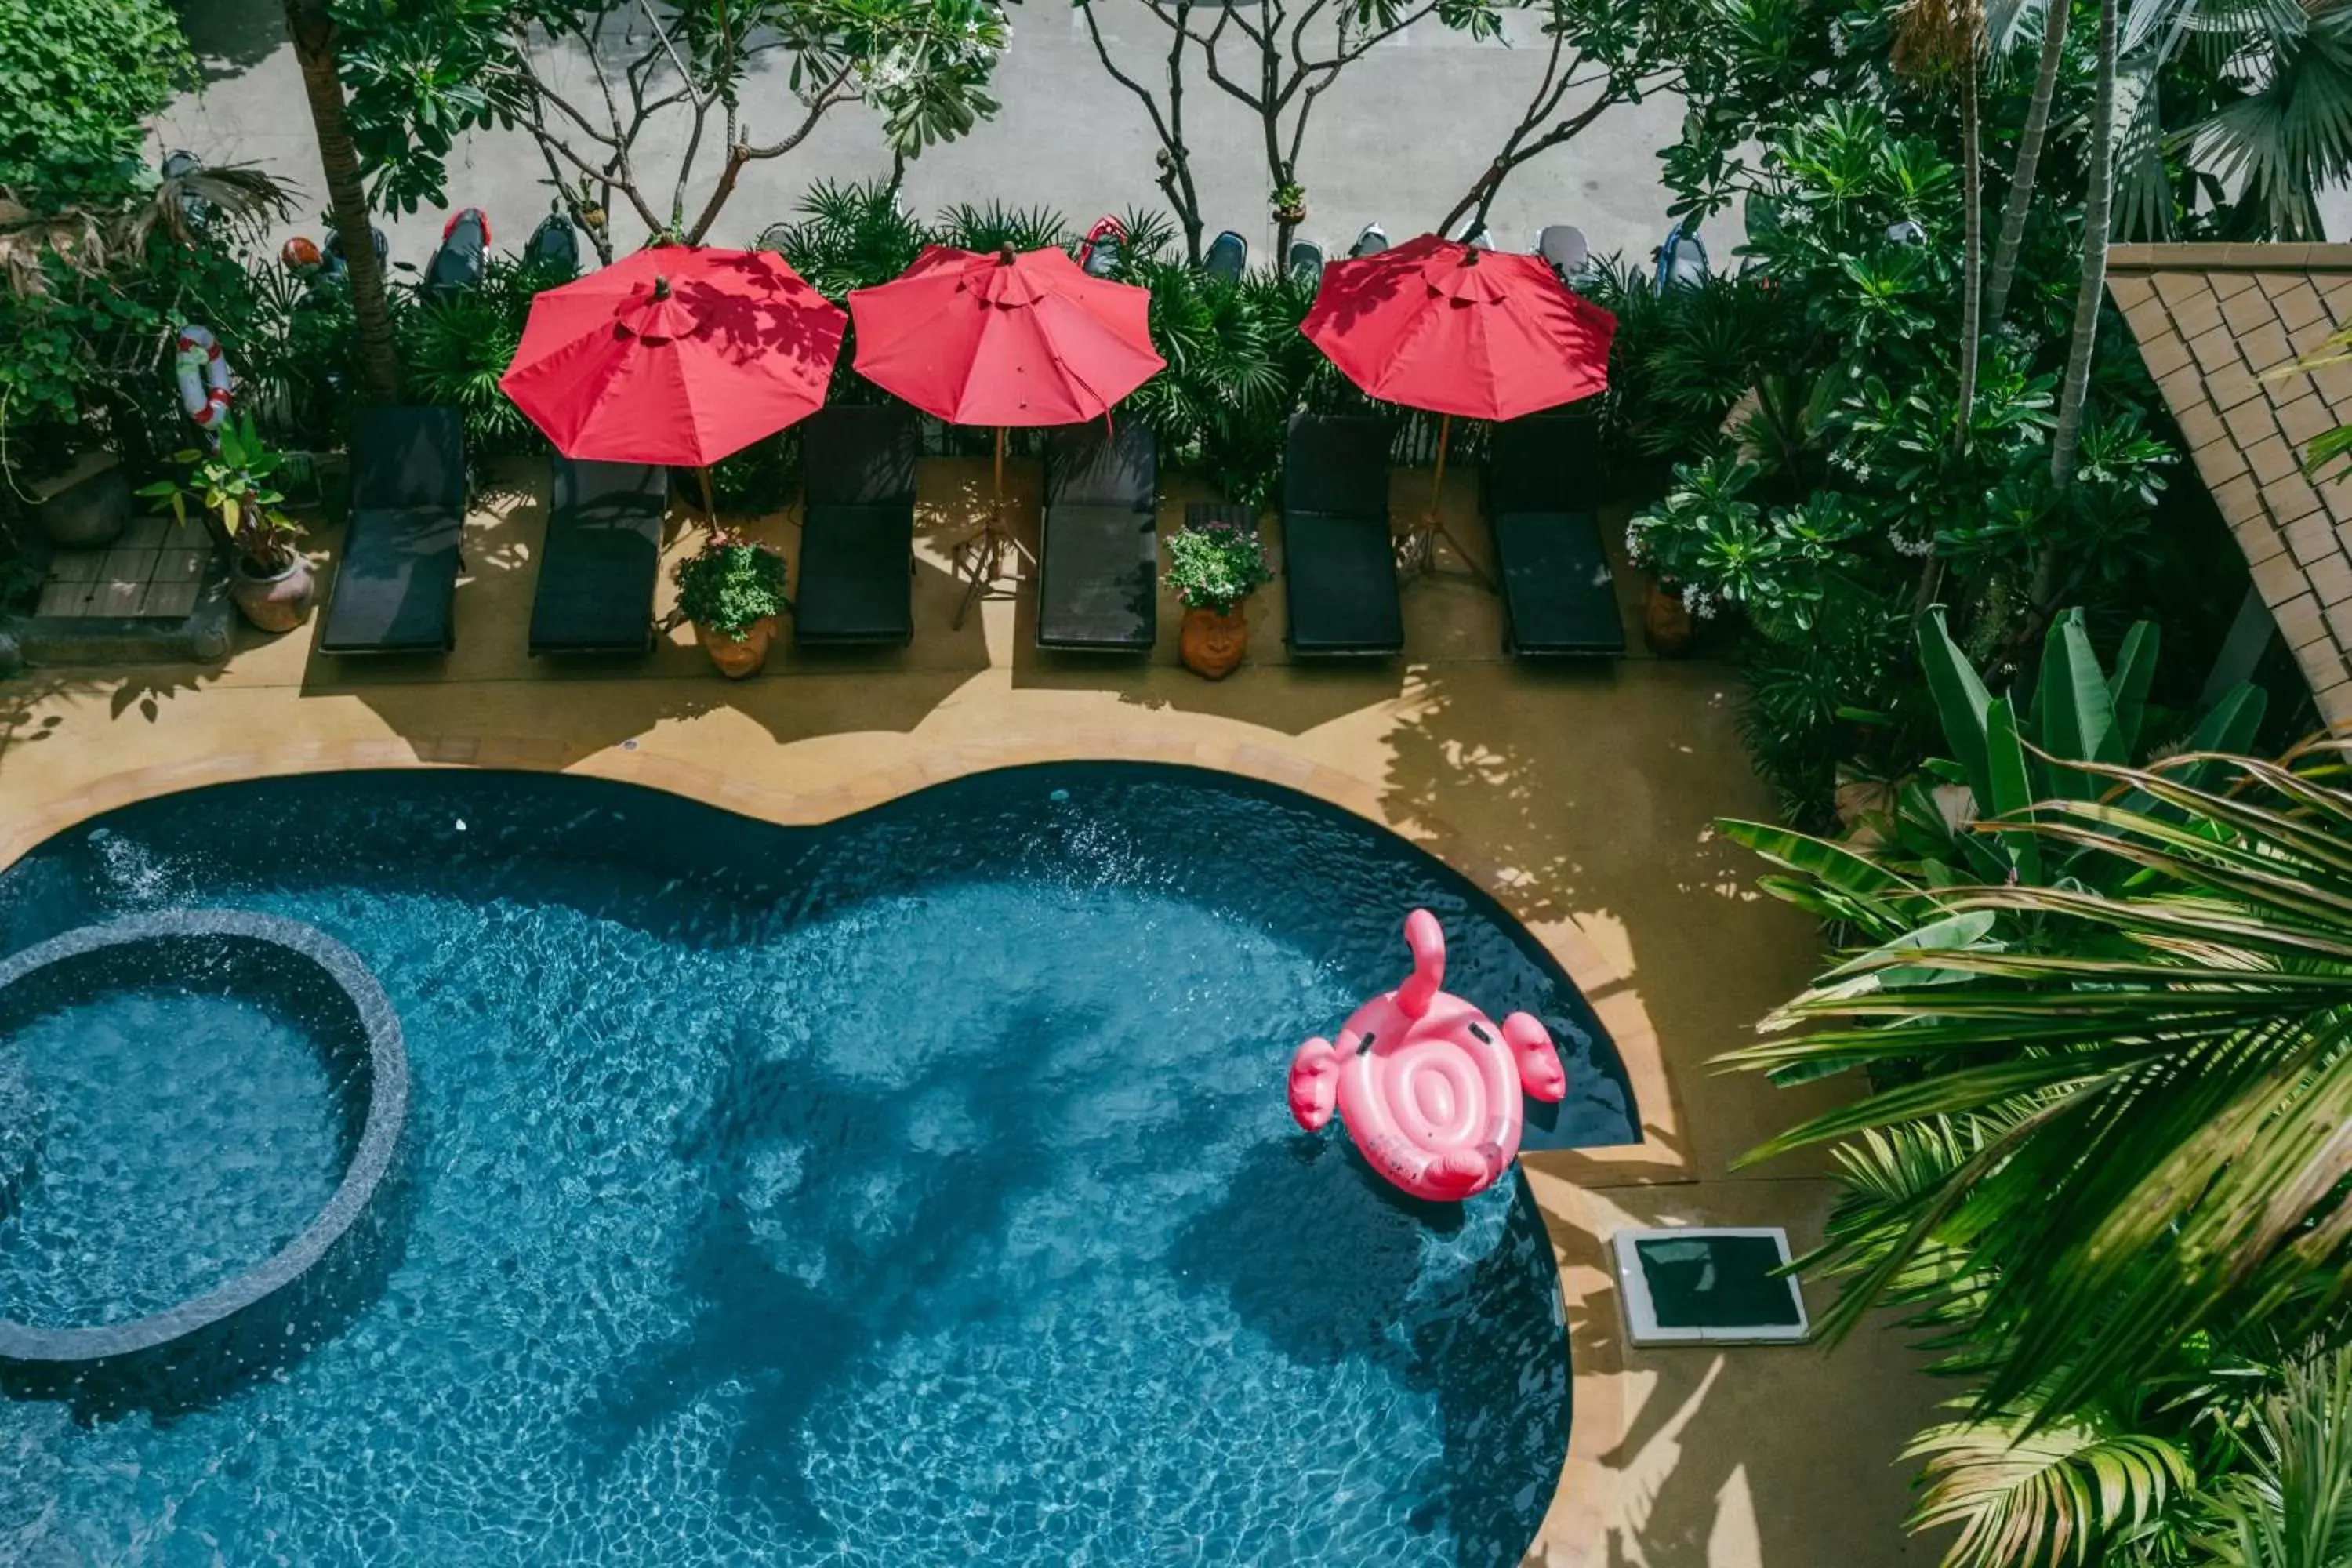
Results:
916 1190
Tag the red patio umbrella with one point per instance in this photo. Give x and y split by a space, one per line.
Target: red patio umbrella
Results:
1438 324
678 354
1010 339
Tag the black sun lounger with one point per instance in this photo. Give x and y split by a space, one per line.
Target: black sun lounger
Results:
1557 598
857 527
1099 556
602 555
398 571
1338 564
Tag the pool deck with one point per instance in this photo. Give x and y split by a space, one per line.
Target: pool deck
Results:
1580 796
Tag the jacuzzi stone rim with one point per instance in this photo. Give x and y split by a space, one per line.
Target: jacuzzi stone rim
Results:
371 1157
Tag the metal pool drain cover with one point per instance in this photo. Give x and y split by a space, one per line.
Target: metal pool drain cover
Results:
1709 1286
299 973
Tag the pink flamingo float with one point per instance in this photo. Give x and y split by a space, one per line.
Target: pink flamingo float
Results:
1428 1085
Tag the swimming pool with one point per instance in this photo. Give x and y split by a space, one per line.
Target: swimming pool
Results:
918 1189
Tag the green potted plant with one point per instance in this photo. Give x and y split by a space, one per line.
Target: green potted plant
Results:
733 589
1289 199
1213 568
270 580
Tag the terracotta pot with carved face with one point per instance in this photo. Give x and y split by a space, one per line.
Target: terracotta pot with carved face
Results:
1212 642
1666 622
738 656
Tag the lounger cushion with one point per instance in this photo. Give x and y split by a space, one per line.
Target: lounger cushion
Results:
1096 578
853 455
398 566
1556 591
393 581
408 457
1340 584
1089 464
1550 463
856 573
1338 465
601 560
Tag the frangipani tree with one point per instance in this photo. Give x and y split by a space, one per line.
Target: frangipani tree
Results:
729 82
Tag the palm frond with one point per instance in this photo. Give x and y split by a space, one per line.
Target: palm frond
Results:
2291 1505
2030 1494
2178 1019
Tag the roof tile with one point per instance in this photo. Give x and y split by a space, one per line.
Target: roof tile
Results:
2335 702
2279 578
2250 422
2248 310
2297 304
2200 425
2266 348
2300 622
2331 579
2270 458
2178 289
2131 291
2231 385
2290 497
2305 417
2201 313
2313 540
2161 351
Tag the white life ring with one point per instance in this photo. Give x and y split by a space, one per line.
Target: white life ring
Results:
203 373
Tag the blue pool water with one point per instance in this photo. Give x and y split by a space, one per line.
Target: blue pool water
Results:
130 1215
917 1190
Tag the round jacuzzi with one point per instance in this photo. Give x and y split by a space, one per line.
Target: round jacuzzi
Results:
197 1108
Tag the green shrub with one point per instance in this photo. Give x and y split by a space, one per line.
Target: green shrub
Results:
78 82
730 584
453 351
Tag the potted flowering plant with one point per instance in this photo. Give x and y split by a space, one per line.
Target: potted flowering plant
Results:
270 580
1213 567
733 589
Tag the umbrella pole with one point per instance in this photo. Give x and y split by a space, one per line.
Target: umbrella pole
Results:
709 507
1434 524
987 548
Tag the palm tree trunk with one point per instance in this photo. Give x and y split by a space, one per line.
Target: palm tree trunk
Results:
312 28
2028 158
1972 253
2066 439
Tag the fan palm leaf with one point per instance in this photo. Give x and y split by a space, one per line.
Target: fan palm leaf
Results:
2163 1075
2024 1495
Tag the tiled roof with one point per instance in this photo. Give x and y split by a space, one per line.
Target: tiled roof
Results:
2213 322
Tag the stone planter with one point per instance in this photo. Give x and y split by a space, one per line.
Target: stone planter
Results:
87 506
1211 643
1665 623
738 656
275 603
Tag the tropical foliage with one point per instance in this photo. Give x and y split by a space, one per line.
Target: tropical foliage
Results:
78 82
2100 1158
1216 566
676 74
730 584
233 483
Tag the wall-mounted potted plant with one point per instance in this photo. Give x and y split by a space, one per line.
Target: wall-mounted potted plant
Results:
270 580
733 589
1213 568
1289 199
